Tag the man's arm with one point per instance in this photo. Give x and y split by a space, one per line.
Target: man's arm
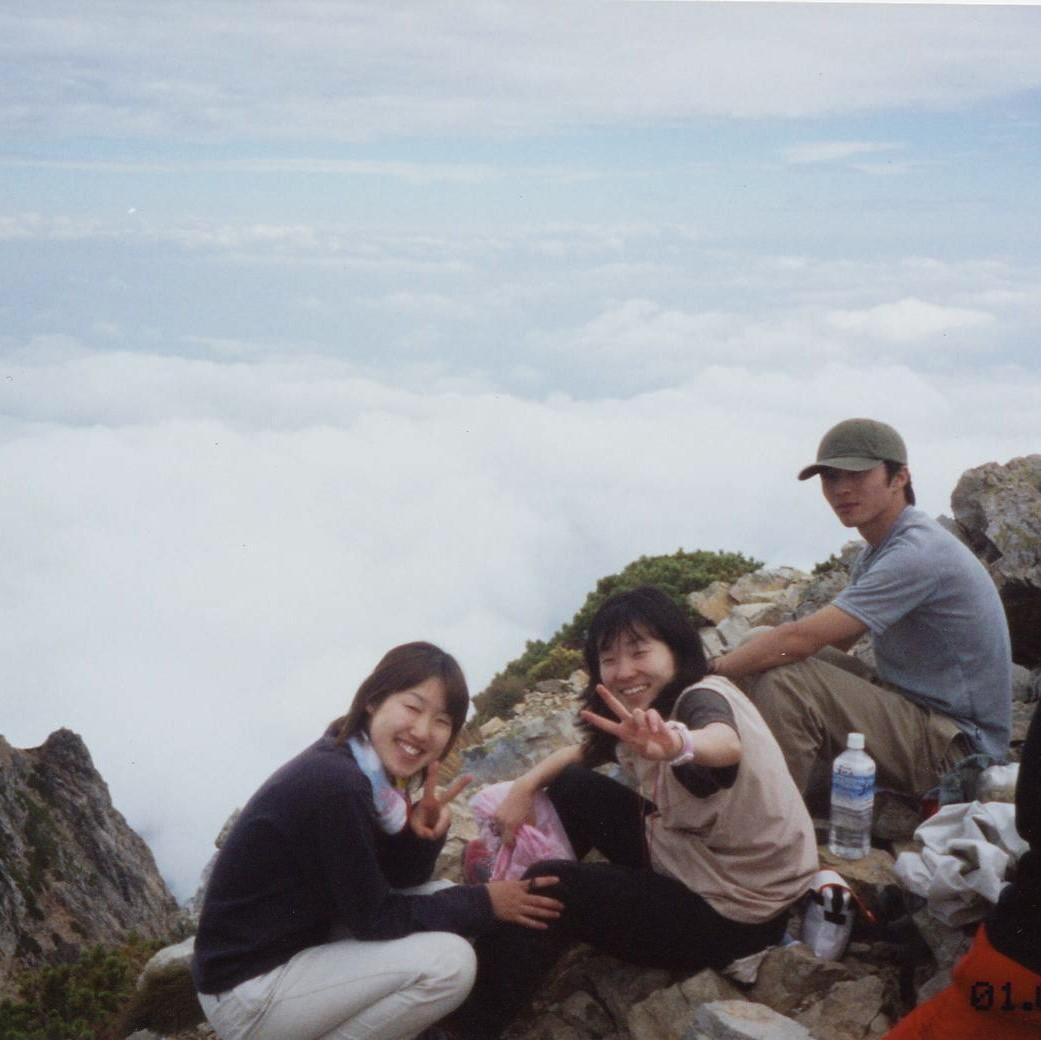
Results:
792 641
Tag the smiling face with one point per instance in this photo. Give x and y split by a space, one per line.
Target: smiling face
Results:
411 728
636 667
867 499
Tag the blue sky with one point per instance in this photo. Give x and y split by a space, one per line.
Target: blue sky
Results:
326 325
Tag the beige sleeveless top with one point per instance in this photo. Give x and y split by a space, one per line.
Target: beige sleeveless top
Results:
749 850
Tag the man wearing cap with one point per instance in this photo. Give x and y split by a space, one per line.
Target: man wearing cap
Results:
943 657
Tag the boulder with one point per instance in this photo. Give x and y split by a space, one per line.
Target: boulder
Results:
712 641
779 585
762 612
667 1013
711 603
852 1010
999 509
791 978
742 1020
525 741
733 629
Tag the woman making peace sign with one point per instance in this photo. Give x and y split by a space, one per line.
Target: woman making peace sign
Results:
312 926
703 863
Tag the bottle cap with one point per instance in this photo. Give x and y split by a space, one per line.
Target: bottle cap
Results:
855 742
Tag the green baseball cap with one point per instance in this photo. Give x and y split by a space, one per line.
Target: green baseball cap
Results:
857 444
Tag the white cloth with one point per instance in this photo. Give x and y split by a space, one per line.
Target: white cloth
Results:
967 850
350 990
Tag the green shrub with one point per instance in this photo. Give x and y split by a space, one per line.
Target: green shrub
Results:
558 663
498 697
77 1001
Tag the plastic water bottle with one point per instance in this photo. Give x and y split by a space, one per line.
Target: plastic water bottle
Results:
852 800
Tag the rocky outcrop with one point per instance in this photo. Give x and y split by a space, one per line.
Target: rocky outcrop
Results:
998 509
72 872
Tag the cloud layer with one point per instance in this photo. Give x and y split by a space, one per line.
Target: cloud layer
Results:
353 71
201 562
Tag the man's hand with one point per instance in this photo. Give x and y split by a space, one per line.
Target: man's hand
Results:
430 816
516 901
643 730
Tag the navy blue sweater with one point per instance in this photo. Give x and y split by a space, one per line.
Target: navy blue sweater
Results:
306 861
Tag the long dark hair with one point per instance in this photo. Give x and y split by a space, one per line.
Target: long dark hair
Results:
403 668
643 611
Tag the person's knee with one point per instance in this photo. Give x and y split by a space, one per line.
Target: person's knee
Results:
774 693
455 965
558 868
571 779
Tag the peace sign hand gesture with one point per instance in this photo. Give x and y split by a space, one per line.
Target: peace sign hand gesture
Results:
644 730
430 816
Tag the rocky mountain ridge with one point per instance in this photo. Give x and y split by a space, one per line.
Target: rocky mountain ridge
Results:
72 872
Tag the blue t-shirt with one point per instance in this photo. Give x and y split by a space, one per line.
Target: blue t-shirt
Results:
938 627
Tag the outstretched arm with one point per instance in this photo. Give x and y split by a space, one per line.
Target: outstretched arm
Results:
651 737
518 805
792 641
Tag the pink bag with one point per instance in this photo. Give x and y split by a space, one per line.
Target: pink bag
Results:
488 859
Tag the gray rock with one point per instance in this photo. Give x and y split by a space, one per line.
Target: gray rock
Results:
742 1020
770 585
941 980
821 591
999 508
711 603
525 741
946 943
851 1010
791 978
73 872
553 686
584 1012
712 642
667 1013
761 612
733 629
1022 683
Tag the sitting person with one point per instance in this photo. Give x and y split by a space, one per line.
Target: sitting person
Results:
944 684
704 862
312 925
995 993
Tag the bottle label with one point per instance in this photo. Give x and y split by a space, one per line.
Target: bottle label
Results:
854 787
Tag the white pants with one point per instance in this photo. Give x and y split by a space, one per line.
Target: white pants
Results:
350 990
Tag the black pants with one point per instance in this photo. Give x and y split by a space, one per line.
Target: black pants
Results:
622 907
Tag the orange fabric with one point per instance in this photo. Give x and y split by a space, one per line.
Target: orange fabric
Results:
990 998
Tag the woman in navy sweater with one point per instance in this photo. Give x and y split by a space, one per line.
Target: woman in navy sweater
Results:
313 925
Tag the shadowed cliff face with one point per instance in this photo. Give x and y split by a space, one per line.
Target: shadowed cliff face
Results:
72 873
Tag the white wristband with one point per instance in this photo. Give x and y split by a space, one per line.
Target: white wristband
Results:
686 751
